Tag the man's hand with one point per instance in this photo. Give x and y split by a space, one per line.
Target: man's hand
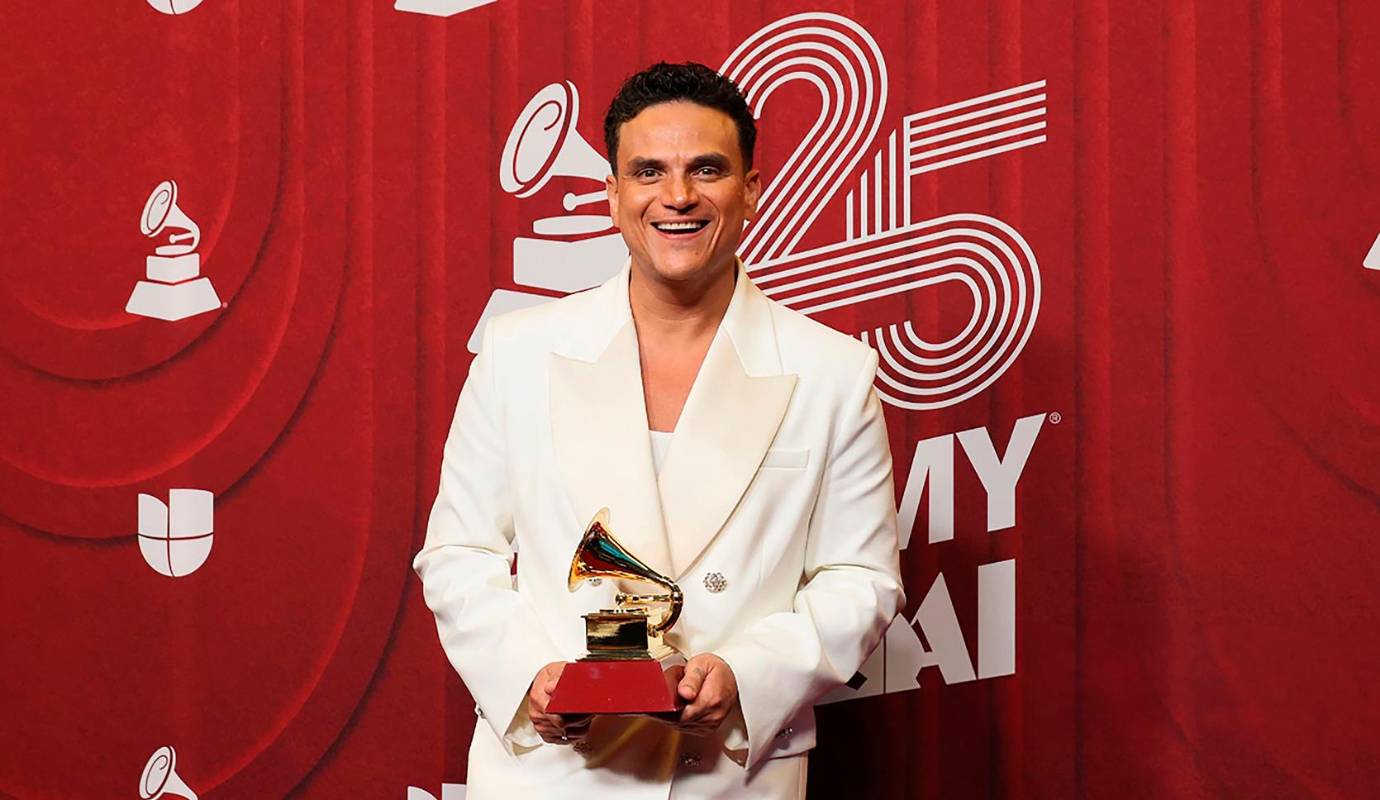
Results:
553 728
711 692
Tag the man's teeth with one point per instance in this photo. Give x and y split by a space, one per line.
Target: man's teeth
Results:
679 226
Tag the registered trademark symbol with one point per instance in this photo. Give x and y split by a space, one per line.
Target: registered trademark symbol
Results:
1055 418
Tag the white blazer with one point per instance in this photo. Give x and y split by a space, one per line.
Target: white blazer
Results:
778 479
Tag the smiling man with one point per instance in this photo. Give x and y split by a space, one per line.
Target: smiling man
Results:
740 448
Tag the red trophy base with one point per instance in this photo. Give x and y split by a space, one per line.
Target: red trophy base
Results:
637 686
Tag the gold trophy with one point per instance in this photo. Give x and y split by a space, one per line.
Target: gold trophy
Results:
622 672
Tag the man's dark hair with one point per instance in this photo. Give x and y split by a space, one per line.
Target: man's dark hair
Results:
668 83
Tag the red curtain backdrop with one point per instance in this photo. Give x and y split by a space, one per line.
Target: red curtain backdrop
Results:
1194 532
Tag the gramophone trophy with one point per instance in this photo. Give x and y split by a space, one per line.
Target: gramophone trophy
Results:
623 671
175 288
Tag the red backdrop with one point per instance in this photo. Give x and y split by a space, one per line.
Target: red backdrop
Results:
1194 540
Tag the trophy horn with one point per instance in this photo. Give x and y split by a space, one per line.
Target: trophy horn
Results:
600 555
544 143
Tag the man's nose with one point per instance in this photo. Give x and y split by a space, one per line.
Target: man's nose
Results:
678 192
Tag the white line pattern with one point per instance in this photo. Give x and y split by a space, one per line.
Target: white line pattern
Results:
842 60
875 208
983 253
885 259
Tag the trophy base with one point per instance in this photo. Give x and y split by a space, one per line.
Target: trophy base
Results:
173 301
439 8
172 269
625 686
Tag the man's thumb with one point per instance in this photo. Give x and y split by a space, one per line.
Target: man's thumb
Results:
553 677
690 684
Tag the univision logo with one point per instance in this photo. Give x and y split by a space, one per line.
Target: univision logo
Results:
175 539
174 7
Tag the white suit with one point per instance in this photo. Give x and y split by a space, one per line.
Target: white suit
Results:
778 480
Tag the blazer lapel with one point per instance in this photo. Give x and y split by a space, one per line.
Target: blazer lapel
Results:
729 421
599 428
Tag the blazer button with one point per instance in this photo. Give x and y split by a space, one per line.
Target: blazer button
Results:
478 712
715 582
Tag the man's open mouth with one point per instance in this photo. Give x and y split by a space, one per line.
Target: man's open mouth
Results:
682 227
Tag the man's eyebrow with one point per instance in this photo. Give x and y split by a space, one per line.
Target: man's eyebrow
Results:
718 160
639 163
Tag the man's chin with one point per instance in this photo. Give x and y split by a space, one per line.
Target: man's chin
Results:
674 270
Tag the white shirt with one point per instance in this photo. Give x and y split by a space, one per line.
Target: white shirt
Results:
661 445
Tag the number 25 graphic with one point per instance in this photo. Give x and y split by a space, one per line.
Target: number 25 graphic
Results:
882 252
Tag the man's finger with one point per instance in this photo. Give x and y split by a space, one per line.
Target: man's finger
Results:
574 734
708 690
556 729
693 712
554 720
709 708
694 679
703 728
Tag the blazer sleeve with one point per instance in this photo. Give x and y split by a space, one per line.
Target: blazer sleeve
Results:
490 633
851 586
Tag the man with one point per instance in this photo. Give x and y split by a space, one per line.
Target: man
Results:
740 448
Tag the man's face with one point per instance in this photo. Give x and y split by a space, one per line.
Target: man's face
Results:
682 191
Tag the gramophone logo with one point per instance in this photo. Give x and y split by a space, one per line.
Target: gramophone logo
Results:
175 288
1372 259
882 250
174 7
160 778
449 791
565 253
175 539
438 8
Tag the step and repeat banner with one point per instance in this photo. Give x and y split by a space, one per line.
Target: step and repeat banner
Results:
1120 263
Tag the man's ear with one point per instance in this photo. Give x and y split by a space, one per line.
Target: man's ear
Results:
752 191
611 188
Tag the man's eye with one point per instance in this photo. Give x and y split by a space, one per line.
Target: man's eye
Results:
645 173
707 171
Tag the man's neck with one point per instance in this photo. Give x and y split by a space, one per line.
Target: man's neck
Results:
680 311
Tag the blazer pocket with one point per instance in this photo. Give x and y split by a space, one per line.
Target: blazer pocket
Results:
786 459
